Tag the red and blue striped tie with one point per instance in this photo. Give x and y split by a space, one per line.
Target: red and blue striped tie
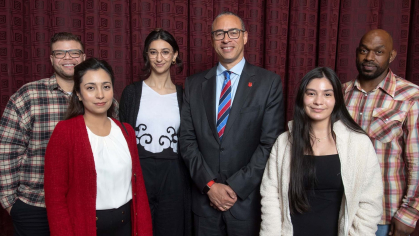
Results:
224 105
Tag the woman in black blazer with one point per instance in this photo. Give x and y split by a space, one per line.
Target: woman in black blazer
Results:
152 107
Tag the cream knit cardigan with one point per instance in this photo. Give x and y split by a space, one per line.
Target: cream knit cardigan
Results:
361 207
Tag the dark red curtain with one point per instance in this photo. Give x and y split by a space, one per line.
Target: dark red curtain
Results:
289 37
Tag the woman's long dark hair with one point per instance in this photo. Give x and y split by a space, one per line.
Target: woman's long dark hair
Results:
75 106
163 35
303 168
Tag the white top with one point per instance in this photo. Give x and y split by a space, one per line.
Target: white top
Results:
113 168
158 121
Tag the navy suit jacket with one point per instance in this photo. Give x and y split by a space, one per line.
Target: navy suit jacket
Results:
256 119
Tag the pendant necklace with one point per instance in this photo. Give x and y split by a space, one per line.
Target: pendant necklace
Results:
319 139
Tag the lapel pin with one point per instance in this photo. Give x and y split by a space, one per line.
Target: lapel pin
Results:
250 84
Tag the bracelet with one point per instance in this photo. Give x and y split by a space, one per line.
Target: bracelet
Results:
208 186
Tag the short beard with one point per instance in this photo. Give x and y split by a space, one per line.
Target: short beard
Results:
61 74
64 76
379 71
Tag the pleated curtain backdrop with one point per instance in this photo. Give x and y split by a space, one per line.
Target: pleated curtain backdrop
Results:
289 37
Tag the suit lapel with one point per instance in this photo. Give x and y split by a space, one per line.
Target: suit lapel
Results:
208 97
241 95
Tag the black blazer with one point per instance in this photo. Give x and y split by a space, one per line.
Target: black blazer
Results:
256 119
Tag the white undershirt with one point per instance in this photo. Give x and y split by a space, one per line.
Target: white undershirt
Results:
113 168
158 119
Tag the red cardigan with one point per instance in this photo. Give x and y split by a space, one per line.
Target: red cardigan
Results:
70 182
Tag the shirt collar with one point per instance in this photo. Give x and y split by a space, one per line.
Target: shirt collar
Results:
388 84
237 69
53 85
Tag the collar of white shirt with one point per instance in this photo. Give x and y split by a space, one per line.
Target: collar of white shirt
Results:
237 69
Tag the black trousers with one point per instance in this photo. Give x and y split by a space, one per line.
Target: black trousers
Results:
29 220
224 224
114 222
165 190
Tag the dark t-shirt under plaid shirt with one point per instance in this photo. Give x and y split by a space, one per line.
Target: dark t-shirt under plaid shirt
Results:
25 128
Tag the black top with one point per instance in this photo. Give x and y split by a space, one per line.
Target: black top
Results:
324 199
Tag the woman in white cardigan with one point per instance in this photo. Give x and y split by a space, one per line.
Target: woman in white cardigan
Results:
323 176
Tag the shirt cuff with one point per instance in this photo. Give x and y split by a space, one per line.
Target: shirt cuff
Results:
407 216
8 201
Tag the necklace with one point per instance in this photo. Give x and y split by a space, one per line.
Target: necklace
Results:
319 139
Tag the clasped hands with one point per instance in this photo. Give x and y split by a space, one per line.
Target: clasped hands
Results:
222 197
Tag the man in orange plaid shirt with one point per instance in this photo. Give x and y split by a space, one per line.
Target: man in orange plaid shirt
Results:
387 108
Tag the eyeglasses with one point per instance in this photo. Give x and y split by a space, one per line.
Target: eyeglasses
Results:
152 54
60 54
232 34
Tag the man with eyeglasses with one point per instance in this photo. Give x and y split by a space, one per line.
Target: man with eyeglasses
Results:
25 128
231 117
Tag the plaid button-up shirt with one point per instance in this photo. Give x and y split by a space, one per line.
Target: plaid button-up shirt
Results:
25 128
389 114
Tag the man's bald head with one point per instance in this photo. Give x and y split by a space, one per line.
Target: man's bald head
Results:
374 54
384 35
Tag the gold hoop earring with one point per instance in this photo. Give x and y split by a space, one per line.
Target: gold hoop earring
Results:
173 62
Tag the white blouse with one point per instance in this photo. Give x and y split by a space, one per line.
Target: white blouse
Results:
158 121
113 168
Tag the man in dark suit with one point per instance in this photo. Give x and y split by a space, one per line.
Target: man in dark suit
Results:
231 117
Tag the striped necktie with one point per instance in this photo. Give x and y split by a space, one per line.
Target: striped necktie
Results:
224 106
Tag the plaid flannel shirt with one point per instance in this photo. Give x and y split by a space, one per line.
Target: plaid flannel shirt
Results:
389 114
25 128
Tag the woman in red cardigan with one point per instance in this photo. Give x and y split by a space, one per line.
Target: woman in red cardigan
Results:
93 179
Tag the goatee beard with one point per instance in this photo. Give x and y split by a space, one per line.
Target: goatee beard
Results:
368 77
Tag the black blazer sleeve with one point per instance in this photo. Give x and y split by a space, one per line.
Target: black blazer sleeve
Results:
124 104
130 103
248 178
199 170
